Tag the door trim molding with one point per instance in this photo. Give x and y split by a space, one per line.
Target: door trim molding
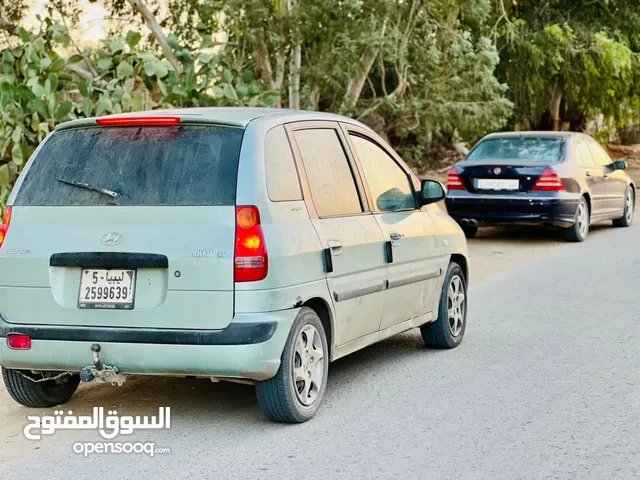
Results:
414 279
386 285
359 292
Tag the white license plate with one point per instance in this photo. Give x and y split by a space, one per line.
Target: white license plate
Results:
498 184
107 289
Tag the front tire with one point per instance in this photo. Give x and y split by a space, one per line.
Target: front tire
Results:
39 394
579 230
629 209
296 392
448 330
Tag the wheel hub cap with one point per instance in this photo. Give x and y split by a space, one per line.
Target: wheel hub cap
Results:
583 221
308 365
456 306
629 206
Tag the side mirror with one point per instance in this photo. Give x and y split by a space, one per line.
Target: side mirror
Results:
432 192
619 165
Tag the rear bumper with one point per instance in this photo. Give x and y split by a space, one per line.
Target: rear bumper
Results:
249 348
477 209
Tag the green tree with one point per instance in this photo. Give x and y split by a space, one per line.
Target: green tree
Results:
569 60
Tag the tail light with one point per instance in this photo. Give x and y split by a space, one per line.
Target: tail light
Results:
549 181
454 182
19 341
6 220
251 261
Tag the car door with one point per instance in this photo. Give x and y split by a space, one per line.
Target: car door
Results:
614 189
413 267
352 241
594 177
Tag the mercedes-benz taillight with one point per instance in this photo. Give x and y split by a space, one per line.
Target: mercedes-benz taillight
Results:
4 227
549 181
251 261
454 182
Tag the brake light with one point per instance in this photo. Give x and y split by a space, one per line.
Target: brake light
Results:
549 181
4 227
454 182
150 120
19 341
250 259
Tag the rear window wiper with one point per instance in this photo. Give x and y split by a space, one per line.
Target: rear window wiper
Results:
86 186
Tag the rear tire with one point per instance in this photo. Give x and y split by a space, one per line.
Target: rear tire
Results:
580 229
629 209
448 330
305 355
39 394
469 231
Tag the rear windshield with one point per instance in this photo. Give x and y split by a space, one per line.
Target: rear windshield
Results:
185 165
533 149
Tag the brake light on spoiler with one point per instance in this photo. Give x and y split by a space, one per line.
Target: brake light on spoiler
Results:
549 181
149 120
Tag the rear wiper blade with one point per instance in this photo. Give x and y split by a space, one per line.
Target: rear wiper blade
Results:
86 186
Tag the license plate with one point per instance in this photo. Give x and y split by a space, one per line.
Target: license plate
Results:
107 289
498 184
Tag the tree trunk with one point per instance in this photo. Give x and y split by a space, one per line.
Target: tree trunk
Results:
295 63
263 63
355 86
151 22
554 108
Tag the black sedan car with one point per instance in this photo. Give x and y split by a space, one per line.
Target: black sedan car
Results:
556 179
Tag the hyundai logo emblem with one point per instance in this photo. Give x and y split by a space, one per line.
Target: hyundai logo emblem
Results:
497 171
111 239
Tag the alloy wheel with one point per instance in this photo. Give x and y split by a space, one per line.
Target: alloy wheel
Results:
308 365
456 306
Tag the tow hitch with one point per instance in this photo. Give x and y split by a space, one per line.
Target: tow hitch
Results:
100 372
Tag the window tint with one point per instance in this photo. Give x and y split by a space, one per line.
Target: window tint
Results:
599 153
330 178
584 155
145 166
282 177
523 148
388 183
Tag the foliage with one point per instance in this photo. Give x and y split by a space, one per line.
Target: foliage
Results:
582 54
40 87
422 74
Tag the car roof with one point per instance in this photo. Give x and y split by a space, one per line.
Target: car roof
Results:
530 134
232 116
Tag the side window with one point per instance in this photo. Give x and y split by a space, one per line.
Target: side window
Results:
584 155
333 188
282 177
599 153
389 185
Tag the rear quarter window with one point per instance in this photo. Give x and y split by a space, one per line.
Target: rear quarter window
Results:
184 165
283 183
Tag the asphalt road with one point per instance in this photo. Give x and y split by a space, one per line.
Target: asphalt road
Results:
545 385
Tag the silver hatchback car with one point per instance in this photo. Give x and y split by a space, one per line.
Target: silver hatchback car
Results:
230 243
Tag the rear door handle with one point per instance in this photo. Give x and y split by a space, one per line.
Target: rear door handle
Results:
587 173
335 246
396 236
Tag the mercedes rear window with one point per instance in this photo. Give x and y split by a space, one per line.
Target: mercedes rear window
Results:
523 148
183 165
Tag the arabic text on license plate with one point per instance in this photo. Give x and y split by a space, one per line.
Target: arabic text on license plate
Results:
107 289
497 184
